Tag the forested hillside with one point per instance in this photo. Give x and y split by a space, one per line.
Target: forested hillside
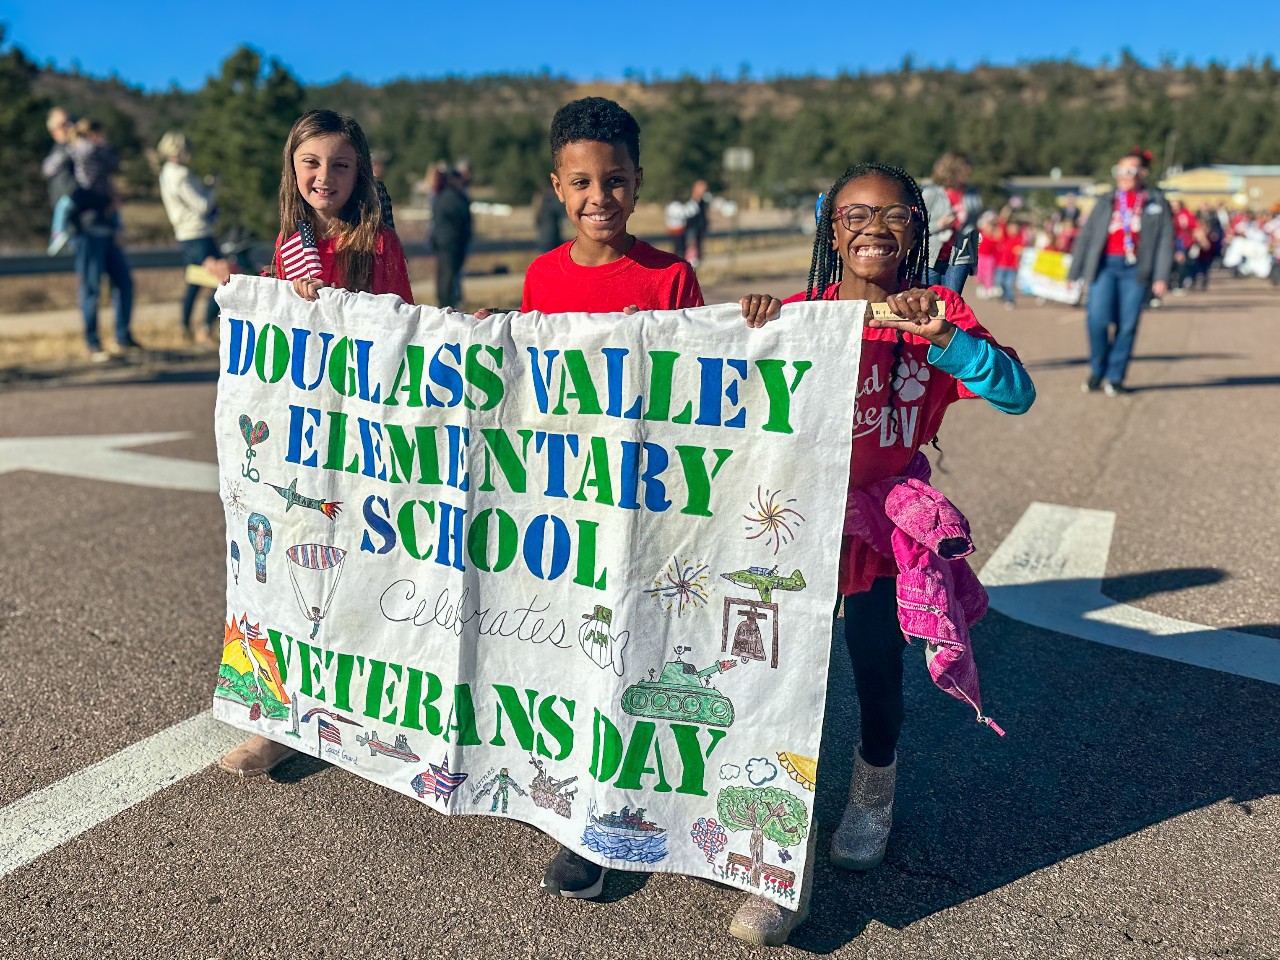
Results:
1024 119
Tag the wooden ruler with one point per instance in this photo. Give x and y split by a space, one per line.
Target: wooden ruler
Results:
881 311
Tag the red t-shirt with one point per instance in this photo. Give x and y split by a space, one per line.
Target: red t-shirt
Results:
880 449
390 272
650 278
1132 201
1184 225
1010 242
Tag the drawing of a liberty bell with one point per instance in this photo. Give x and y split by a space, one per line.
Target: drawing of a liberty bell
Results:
747 642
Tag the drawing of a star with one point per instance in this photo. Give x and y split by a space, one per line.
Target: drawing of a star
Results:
445 782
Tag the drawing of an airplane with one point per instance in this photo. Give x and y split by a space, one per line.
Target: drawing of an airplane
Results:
766 580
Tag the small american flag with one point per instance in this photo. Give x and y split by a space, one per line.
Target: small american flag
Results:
299 256
330 732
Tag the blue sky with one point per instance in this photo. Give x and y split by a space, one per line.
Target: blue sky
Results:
155 44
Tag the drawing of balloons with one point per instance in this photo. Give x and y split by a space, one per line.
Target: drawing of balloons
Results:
709 837
260 538
235 560
253 433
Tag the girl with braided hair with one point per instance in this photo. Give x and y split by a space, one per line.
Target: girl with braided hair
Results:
872 244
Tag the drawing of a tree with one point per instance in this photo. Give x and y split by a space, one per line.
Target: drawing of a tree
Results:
767 812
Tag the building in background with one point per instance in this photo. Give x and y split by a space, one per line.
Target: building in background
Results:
1236 185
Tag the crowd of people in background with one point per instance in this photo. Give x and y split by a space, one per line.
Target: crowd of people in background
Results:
1243 242
967 237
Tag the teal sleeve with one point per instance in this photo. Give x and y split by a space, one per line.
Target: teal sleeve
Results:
986 370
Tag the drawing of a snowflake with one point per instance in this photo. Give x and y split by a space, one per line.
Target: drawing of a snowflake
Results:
235 498
775 520
680 584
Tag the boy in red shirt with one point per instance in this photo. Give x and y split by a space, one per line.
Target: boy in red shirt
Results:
595 145
595 148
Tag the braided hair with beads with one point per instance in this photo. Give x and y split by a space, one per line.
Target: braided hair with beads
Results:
827 267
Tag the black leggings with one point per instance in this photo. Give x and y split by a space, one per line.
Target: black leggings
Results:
875 642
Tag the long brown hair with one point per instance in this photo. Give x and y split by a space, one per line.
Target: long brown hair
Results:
362 214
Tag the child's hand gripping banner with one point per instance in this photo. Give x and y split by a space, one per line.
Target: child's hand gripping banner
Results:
574 570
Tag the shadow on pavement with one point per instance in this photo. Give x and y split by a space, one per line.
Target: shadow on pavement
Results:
1069 362
145 367
1269 381
1135 586
1102 742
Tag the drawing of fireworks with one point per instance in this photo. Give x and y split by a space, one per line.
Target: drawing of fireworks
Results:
680 584
773 517
235 498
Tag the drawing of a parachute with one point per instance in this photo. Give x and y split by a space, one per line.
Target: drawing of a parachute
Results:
314 571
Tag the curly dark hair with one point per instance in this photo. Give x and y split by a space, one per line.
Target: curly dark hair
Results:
594 118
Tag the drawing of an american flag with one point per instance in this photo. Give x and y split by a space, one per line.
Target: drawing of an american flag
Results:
299 256
330 732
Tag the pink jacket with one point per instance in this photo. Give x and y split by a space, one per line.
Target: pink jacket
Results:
939 596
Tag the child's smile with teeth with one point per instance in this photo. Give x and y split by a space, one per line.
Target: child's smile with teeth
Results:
873 254
325 167
597 183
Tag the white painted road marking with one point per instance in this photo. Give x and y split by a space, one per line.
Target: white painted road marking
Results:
1048 573
48 818
100 458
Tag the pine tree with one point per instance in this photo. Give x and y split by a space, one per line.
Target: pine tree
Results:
238 136
24 207
685 141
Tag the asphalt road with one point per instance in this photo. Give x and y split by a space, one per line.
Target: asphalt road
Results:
1132 811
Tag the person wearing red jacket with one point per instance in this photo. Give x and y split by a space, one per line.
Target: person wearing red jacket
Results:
1009 239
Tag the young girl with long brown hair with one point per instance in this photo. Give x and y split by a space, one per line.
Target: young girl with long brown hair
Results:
327 195
331 229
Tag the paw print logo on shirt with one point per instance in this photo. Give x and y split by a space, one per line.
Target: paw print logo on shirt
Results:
909 380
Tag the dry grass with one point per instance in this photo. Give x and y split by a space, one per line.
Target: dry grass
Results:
494 280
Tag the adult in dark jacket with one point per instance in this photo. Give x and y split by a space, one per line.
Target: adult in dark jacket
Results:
451 235
1124 254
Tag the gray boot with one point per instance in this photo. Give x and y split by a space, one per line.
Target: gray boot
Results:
765 923
860 840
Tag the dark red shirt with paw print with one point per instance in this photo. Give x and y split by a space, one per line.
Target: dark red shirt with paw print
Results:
886 436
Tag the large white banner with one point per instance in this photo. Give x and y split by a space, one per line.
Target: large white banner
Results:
575 570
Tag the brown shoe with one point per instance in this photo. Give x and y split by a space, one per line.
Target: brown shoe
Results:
766 924
254 757
762 922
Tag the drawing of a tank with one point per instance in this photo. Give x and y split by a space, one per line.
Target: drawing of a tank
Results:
680 695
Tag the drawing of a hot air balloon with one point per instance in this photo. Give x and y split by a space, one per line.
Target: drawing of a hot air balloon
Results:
235 560
260 538
314 569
